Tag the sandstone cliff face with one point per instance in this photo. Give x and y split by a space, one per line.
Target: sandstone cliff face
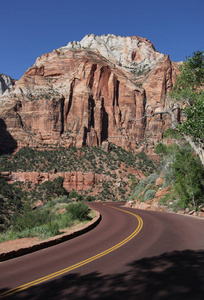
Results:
91 91
72 180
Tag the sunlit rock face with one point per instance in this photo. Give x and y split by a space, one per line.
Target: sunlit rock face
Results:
91 91
72 180
129 52
6 82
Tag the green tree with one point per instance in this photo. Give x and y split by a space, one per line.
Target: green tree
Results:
188 97
55 187
11 197
161 149
189 175
188 91
190 79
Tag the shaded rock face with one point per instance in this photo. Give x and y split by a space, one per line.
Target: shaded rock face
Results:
7 143
91 91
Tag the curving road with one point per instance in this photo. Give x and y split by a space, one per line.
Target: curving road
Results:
131 254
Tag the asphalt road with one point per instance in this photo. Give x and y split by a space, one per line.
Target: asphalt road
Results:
131 254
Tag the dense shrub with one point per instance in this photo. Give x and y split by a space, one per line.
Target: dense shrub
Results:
49 190
62 199
75 195
144 184
161 149
11 196
90 198
45 231
167 171
189 175
72 159
88 159
150 194
183 171
151 179
173 134
64 220
78 211
18 219
30 219
140 186
54 187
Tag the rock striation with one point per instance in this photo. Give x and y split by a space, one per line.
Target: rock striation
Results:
72 180
88 92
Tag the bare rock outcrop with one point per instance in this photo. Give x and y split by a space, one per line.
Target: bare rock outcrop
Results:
89 92
6 82
72 180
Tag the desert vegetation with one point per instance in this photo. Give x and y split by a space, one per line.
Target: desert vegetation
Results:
74 159
22 215
117 166
182 162
29 209
180 166
182 174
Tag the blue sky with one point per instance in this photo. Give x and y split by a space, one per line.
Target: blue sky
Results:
30 28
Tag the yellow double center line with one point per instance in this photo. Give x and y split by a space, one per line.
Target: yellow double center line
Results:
84 262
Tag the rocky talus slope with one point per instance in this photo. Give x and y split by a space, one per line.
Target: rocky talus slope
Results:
90 91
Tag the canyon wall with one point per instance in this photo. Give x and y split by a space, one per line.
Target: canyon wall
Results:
90 91
72 180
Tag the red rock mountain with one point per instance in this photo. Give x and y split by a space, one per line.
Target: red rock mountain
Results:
90 91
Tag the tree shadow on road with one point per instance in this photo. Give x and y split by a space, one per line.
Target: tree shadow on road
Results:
176 275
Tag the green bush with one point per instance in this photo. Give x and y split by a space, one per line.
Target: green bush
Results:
161 149
144 184
11 196
140 186
55 187
74 195
78 211
52 228
45 230
64 220
90 198
31 219
168 173
150 194
152 178
169 197
62 199
173 134
189 175
184 172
